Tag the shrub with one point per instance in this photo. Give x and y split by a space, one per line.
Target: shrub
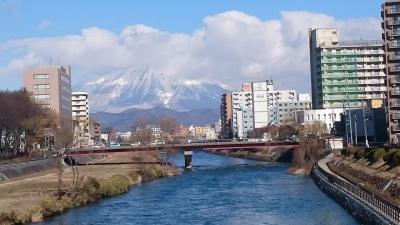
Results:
351 150
13 217
91 187
389 155
359 153
395 159
151 172
114 185
51 206
135 177
377 154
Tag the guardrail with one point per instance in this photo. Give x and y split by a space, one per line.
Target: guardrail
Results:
380 206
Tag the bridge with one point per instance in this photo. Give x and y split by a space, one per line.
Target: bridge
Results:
188 148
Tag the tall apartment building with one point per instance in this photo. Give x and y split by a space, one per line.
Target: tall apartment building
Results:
226 115
51 88
345 74
80 116
260 92
242 113
391 37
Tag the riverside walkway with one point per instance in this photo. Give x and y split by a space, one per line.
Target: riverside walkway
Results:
366 205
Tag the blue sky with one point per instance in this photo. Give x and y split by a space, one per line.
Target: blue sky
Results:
20 19
33 31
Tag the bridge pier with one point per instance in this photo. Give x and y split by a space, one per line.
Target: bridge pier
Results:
188 158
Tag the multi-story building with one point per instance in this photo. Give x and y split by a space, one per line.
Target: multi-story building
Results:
201 132
80 115
51 88
391 37
326 116
155 130
226 116
242 113
284 113
260 92
345 74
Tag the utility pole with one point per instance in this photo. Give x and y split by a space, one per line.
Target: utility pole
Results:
351 126
345 125
365 127
355 125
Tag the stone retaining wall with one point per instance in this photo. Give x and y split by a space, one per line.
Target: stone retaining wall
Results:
360 210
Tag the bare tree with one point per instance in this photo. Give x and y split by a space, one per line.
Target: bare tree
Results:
168 124
22 122
312 144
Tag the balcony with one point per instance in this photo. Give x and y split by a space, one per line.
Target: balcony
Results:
395 80
395 127
393 33
394 57
394 69
395 116
395 104
395 92
392 10
394 44
392 22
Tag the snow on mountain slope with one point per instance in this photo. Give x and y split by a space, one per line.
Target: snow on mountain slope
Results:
144 89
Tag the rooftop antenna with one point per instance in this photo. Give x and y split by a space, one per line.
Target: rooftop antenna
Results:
58 60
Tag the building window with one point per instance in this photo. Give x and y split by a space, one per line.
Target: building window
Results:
41 96
41 76
41 86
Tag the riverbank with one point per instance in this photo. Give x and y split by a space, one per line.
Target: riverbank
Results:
272 154
35 197
377 178
268 154
364 205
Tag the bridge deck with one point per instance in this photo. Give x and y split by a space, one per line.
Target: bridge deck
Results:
189 146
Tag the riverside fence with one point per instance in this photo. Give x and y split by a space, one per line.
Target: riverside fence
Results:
383 208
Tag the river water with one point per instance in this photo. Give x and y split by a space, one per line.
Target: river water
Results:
220 190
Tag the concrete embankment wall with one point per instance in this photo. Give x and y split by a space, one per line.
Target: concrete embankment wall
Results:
364 206
12 170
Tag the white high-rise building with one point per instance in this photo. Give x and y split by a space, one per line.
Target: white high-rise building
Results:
80 116
260 92
242 113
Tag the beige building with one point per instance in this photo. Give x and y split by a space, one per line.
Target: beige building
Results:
80 115
51 88
226 115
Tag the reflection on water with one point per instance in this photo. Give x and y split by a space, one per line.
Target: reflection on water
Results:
220 190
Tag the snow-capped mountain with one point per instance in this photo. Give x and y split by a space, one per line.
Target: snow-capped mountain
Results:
144 89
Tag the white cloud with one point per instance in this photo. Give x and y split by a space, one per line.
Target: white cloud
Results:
230 48
43 25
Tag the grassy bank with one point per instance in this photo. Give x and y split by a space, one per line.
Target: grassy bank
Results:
34 198
375 170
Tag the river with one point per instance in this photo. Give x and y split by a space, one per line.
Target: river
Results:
220 190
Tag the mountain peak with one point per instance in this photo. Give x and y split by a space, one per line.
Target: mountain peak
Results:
144 89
